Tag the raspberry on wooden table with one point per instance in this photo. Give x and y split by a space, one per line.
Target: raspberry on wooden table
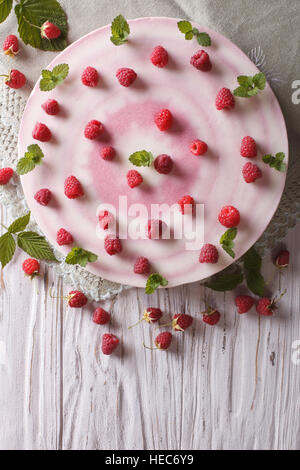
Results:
15 79
163 340
244 303
41 132
51 107
201 61
181 321
163 164
63 237
248 147
77 299
225 99
251 172
229 216
163 120
93 129
11 45
159 57
5 175
198 147
282 259
265 307
31 267
73 188
141 265
43 196
90 77
109 343
126 76
212 317
101 316
209 254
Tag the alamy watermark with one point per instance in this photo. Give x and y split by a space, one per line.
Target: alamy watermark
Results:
296 93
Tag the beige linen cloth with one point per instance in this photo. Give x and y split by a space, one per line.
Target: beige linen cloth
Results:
267 30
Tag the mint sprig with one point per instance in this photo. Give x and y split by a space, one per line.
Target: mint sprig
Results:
141 158
120 31
30 242
80 256
32 157
275 162
154 281
229 279
252 266
227 241
250 86
51 78
5 9
189 32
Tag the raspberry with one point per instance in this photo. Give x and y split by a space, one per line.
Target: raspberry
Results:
151 315
77 299
282 259
163 164
5 175
101 316
198 147
224 99
134 178
41 132
251 172
11 45
109 343
105 219
201 61
209 254
93 129
112 245
229 216
244 303
211 317
90 77
163 120
73 188
154 229
15 79
186 201
43 196
63 237
126 76
31 267
51 107
50 31
108 153
181 321
265 307
163 340
159 57
248 147
141 265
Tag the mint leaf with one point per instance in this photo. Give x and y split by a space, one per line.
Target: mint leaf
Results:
252 265
226 281
255 283
184 26
19 224
31 14
244 80
280 166
24 166
241 91
253 92
267 158
32 157
50 79
226 241
280 156
250 86
203 39
189 35
275 162
5 9
80 256
260 81
189 32
154 281
120 31
35 245
228 247
141 158
7 248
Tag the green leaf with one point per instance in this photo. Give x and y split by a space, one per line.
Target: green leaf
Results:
280 156
189 35
260 80
241 91
25 166
47 85
252 260
5 9
203 39
31 14
154 281
7 248
60 73
35 245
230 234
80 256
253 91
280 166
226 281
228 248
52 78
19 224
34 156
255 282
245 81
250 86
141 158
267 158
120 30
184 26
275 162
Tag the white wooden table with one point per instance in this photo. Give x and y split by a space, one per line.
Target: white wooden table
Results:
233 386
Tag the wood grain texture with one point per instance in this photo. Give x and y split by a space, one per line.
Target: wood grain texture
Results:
233 386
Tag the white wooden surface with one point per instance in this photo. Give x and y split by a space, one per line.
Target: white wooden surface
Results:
233 386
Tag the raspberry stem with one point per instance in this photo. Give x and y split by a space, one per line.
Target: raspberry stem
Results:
137 323
151 349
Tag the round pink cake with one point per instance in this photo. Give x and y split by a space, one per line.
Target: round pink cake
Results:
127 114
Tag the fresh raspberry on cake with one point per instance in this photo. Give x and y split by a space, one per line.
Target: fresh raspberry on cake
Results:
63 237
112 245
50 30
43 196
251 172
248 147
181 321
154 229
109 343
134 178
159 57
5 175
51 107
163 120
209 254
186 204
77 299
163 340
31 267
163 164
201 61
108 153
141 265
211 317
41 132
224 99
73 188
93 129
101 316
282 259
244 303
126 76
90 77
11 45
15 79
229 216
105 219
198 147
